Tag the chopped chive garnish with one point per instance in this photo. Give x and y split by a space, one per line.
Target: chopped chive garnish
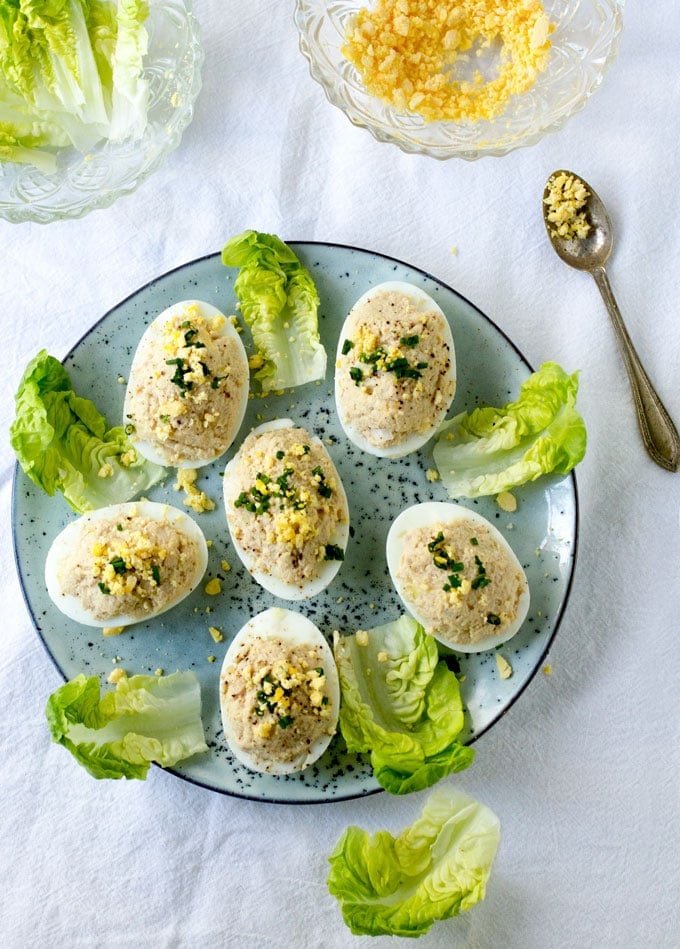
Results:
156 574
285 721
118 565
346 346
410 341
103 587
481 580
444 561
435 542
356 375
332 552
180 371
493 619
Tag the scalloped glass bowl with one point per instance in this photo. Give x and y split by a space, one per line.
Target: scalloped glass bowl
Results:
584 45
84 182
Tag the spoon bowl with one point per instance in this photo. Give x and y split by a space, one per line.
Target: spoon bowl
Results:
594 249
590 252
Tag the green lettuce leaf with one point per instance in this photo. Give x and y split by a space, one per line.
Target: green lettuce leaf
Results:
147 718
433 870
279 303
401 704
490 450
70 73
64 444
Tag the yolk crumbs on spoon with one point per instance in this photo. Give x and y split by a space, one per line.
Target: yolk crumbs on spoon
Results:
408 53
566 196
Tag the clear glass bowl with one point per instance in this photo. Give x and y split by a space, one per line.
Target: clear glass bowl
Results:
84 182
584 45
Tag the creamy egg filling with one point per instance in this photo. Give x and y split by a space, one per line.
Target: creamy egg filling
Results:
131 566
394 371
288 505
276 696
187 387
460 580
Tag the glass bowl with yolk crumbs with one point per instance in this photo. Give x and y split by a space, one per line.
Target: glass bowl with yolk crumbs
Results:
459 78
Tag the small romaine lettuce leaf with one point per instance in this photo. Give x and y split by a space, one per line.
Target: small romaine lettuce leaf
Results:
490 450
147 718
401 704
435 869
63 442
279 303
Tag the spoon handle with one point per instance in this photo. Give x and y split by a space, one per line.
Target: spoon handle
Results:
658 431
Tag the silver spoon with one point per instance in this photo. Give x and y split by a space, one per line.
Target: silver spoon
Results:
590 253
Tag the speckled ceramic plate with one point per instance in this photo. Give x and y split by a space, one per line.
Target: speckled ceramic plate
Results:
543 530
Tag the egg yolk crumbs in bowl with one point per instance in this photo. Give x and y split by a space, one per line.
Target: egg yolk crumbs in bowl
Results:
460 60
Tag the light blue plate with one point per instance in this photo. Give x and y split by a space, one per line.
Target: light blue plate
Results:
543 530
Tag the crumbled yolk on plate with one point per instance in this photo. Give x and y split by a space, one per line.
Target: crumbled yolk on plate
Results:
419 55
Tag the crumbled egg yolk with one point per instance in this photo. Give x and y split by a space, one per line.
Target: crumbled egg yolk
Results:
216 634
504 667
196 499
566 197
213 587
407 51
184 339
295 512
119 568
507 502
281 687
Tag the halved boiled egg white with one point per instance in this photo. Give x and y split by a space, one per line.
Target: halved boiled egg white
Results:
457 575
188 386
395 369
286 510
279 693
125 563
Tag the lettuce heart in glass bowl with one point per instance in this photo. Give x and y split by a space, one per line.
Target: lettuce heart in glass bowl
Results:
583 43
58 179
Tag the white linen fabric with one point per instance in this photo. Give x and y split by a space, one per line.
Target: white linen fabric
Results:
584 771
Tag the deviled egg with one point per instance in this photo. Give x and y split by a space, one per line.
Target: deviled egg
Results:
286 510
395 370
125 563
279 693
457 575
188 386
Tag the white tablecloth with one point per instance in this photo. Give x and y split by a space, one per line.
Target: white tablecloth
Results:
583 772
